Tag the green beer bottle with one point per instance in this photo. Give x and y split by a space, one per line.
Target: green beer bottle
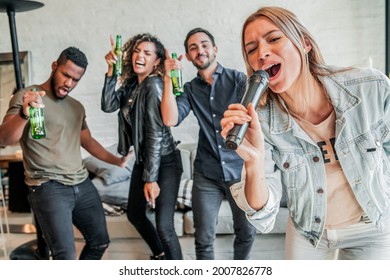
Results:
119 55
177 79
37 122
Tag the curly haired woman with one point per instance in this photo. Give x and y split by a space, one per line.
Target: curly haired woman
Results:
156 174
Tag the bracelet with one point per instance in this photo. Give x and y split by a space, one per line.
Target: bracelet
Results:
22 115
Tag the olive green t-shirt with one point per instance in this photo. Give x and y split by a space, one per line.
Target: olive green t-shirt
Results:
58 155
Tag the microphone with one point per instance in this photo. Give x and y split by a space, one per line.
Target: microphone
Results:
257 84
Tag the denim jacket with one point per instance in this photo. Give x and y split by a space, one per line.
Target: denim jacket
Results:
294 163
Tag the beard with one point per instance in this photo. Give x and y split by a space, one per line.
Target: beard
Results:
53 88
206 64
202 66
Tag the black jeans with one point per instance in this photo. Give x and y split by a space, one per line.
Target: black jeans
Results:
164 238
58 207
207 196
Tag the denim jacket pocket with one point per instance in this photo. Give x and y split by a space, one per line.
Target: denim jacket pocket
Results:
370 144
295 179
292 166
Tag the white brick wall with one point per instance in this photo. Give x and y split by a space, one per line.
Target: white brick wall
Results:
350 32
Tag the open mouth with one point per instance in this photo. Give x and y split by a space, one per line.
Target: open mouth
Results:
273 69
201 57
139 63
63 91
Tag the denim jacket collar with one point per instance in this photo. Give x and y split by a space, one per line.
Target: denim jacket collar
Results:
342 99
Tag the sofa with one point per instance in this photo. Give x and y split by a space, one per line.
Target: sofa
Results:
113 183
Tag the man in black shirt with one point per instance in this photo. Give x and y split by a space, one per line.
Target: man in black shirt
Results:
216 168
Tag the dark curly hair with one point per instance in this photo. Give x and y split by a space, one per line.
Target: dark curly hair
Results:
75 55
128 50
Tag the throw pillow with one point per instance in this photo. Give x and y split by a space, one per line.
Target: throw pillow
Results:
184 198
109 173
115 194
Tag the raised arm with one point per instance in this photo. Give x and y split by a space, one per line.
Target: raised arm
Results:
111 58
111 99
169 109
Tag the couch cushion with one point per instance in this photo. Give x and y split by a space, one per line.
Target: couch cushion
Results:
115 194
186 161
190 150
225 221
120 227
108 172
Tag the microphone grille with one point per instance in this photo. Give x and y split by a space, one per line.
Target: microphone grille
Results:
261 73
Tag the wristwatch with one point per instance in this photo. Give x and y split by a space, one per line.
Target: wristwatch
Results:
22 115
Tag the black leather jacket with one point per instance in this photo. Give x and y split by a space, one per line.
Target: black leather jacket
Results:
140 121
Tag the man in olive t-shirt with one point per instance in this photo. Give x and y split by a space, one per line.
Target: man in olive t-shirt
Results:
60 192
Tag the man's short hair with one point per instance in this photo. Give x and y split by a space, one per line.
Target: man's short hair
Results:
75 55
197 30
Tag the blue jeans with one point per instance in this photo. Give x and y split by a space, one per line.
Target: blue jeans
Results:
57 207
164 239
207 196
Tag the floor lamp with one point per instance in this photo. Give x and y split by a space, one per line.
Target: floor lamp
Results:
25 251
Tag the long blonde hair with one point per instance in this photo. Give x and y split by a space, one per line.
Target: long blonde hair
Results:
294 29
